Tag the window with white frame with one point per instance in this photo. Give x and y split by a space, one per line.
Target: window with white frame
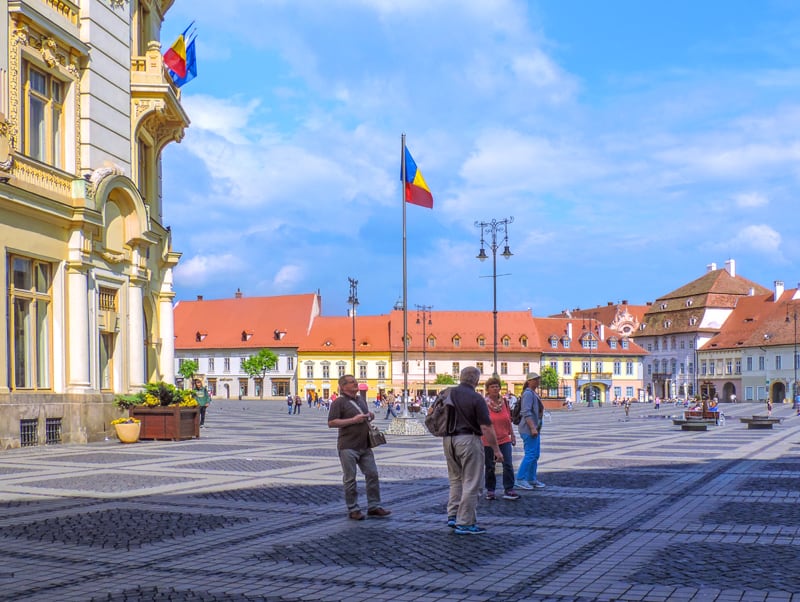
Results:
29 327
618 368
431 367
381 372
778 362
586 366
738 366
567 367
362 371
503 367
43 115
211 364
326 370
748 393
289 364
309 370
762 362
628 391
749 363
598 367
629 368
226 364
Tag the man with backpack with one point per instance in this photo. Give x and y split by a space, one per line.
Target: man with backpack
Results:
464 453
531 413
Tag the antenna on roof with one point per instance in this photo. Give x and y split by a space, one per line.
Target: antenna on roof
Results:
398 305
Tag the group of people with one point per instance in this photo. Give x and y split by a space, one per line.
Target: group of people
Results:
480 435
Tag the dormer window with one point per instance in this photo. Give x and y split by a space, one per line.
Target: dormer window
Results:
624 343
481 341
456 341
663 306
523 341
246 336
554 342
612 343
566 342
506 341
689 302
692 321
200 336
667 323
431 342
279 334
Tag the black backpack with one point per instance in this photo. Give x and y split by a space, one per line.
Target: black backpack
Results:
516 411
441 415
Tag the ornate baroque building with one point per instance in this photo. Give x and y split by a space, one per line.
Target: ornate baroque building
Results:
86 108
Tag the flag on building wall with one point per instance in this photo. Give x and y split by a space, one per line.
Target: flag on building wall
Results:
417 191
181 59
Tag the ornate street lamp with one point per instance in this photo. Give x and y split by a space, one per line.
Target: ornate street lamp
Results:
352 300
424 310
493 228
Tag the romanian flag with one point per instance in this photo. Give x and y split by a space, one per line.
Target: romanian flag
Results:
181 60
417 191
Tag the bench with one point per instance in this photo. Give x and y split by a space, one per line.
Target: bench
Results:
760 422
701 414
693 423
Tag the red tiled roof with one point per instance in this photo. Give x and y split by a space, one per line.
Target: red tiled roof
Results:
559 327
469 326
335 333
282 321
759 321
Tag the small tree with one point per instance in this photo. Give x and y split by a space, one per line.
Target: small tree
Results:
188 369
548 379
256 366
444 379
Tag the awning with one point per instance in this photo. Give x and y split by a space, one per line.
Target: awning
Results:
311 386
326 385
363 386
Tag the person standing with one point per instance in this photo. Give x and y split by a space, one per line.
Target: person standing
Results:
203 399
532 412
298 403
290 402
463 451
350 414
500 414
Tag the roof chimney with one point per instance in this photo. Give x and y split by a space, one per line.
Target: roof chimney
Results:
569 330
778 289
730 267
602 332
199 297
610 303
238 294
624 301
711 267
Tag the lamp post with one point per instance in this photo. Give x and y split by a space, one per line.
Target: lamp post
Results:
493 228
590 395
425 321
352 300
795 400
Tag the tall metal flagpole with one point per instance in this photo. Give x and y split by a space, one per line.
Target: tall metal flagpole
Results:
405 274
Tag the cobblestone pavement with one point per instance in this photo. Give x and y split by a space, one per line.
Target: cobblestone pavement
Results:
634 509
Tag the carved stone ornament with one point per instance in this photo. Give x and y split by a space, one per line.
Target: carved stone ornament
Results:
102 172
49 49
117 3
112 257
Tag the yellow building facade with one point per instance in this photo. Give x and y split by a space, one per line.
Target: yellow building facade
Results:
87 262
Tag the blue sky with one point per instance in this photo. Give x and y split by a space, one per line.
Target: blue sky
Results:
633 143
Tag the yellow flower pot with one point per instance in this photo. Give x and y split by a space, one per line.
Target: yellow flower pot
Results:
128 432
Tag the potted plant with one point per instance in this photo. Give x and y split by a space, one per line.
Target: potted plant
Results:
127 429
165 412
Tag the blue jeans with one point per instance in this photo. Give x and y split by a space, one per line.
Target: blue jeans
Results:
508 468
530 461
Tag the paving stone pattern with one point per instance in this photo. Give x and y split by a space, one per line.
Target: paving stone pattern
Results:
634 509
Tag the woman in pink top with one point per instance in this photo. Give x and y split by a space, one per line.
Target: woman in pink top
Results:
500 414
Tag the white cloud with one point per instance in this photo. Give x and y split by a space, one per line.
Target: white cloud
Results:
288 277
751 200
202 269
759 237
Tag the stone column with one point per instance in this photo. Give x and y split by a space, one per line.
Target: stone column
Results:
78 361
136 376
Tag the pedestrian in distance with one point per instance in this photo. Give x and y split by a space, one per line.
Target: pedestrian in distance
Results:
203 399
350 414
290 402
530 425
390 409
500 414
463 450
298 403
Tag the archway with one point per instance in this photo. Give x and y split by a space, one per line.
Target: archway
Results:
728 392
778 393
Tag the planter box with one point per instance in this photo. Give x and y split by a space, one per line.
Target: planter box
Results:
554 403
167 423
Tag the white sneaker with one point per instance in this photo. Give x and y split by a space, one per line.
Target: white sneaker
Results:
538 484
523 485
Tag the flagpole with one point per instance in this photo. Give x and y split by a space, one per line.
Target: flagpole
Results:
405 274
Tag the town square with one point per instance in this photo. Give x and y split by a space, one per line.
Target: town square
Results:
399 300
